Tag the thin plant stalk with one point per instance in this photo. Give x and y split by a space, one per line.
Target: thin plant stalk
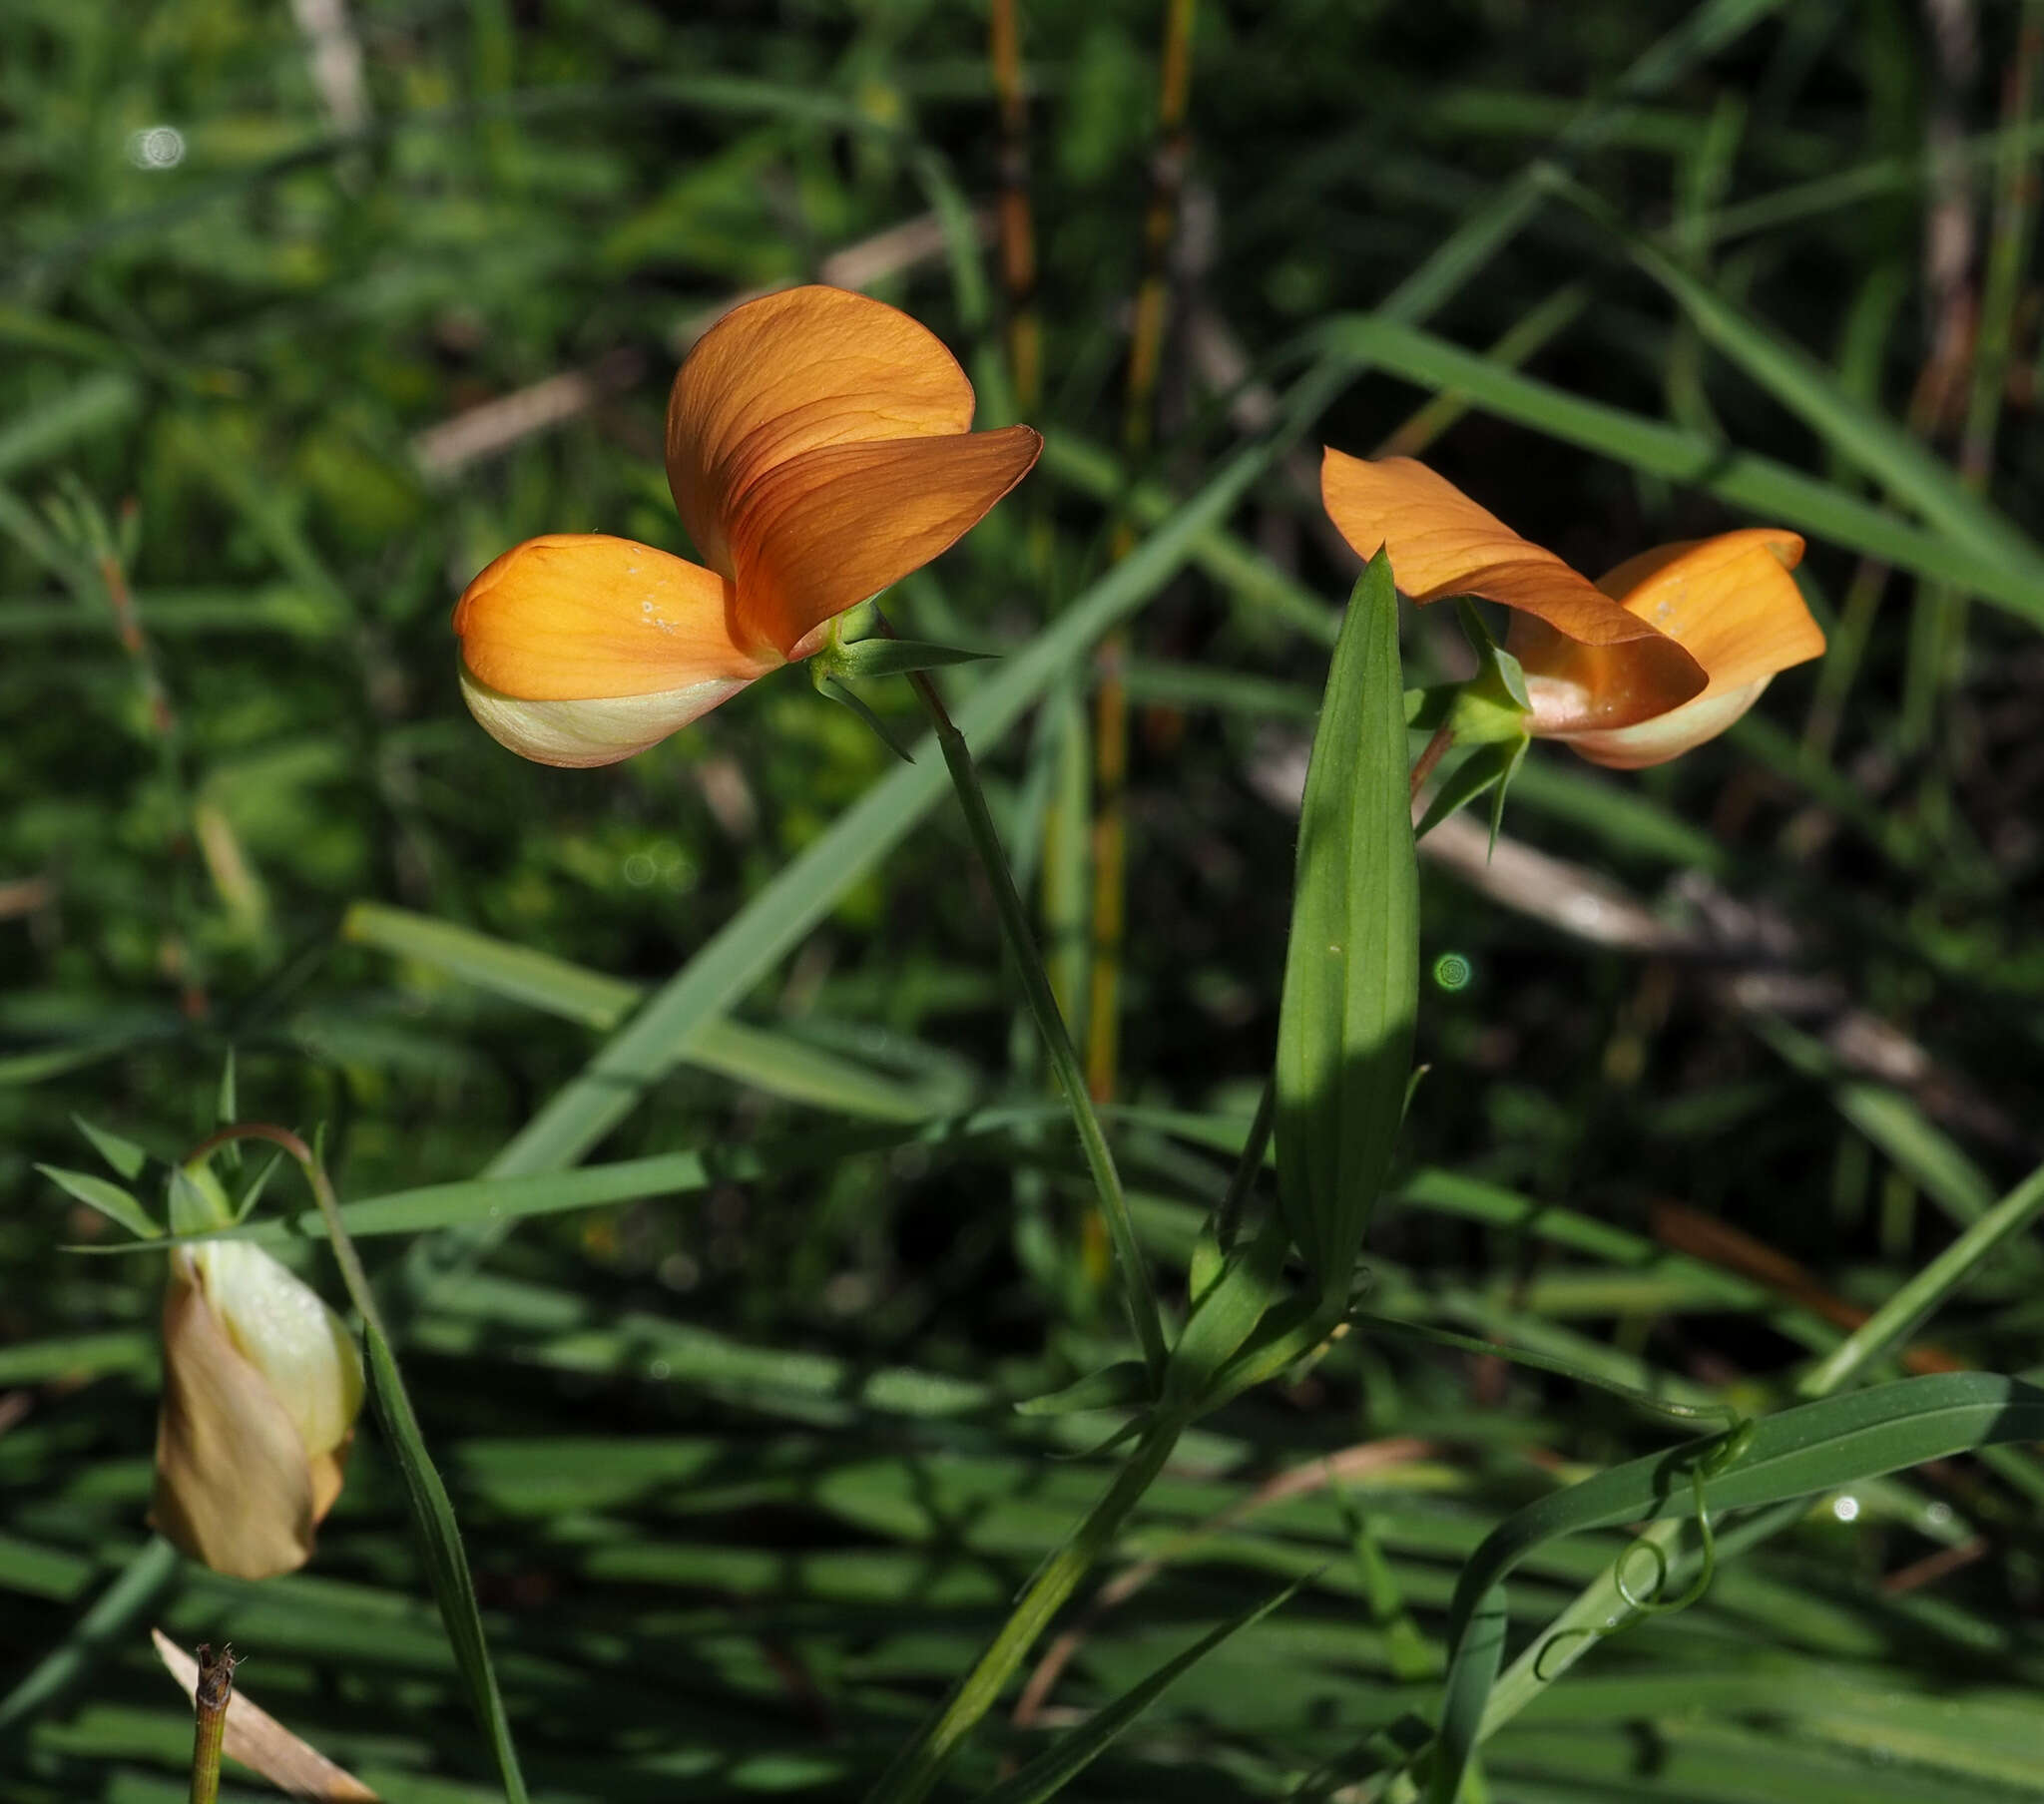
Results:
1063 1056
916 1769
1110 835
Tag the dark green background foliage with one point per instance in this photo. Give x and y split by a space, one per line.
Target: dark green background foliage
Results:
735 1460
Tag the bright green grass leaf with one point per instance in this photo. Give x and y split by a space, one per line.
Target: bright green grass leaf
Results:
776 1063
1352 967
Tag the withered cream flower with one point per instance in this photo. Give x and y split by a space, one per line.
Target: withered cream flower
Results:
262 1385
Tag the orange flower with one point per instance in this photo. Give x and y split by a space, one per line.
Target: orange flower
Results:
818 447
1664 652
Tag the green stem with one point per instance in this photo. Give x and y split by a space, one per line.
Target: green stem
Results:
1064 1059
917 1767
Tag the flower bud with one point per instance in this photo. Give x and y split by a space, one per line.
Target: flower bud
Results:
262 1383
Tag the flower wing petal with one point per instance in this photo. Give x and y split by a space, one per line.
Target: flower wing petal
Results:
571 616
788 373
823 530
234 1486
1730 602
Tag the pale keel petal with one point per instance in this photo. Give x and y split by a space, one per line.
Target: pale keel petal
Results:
578 735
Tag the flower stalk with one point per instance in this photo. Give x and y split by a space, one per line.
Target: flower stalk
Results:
1064 1058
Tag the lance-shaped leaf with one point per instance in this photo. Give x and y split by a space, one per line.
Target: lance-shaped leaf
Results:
1352 967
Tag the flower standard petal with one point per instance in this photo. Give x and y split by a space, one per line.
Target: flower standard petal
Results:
1588 660
816 535
581 649
788 373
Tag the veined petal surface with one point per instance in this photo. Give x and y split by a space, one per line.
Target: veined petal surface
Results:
824 530
1728 601
571 616
791 372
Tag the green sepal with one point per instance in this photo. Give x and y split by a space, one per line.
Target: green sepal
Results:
117 1204
829 685
1352 963
197 1200
1121 1384
1493 704
1489 768
868 657
124 1157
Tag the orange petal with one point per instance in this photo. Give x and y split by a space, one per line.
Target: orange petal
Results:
233 1487
574 617
1588 661
1730 602
788 373
817 534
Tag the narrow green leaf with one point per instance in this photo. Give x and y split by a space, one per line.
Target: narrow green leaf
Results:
1855 430
93 404
1351 966
1119 1386
1051 1771
1811 1448
1923 1292
776 1063
1226 1315
110 1199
